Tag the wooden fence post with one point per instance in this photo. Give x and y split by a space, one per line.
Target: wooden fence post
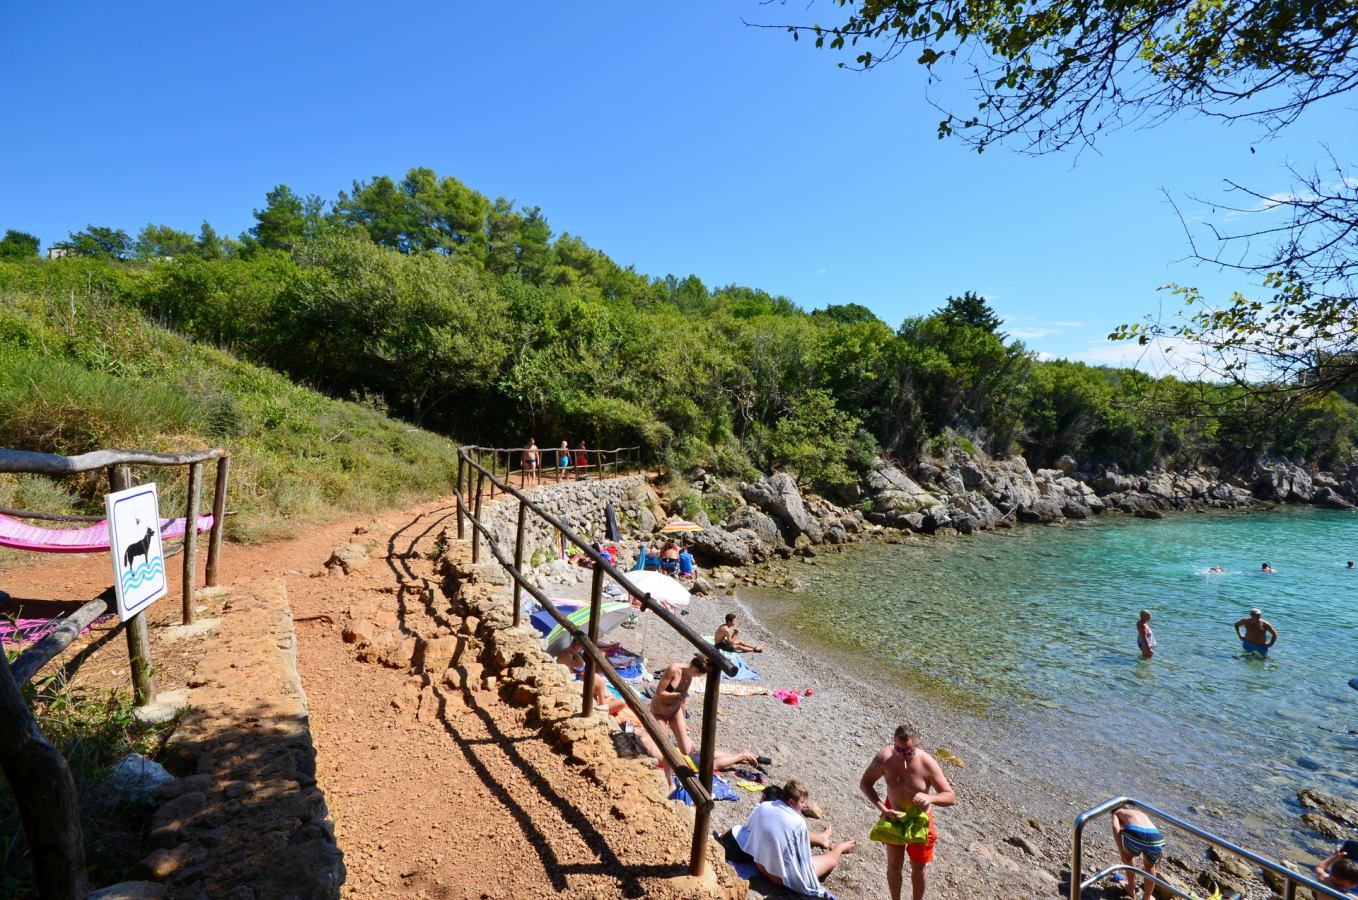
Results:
702 813
138 640
45 794
596 594
460 493
214 538
476 518
518 561
191 541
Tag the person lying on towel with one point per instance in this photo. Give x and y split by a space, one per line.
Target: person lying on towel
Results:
777 841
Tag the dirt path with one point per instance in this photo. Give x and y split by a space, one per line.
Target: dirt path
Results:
436 791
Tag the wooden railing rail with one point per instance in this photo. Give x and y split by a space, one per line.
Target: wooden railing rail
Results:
599 461
698 784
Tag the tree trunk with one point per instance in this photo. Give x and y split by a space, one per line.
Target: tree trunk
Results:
46 796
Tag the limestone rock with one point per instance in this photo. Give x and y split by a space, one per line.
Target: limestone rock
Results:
778 496
733 548
359 631
763 526
135 778
349 558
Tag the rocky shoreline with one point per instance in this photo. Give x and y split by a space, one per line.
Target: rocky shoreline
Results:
771 517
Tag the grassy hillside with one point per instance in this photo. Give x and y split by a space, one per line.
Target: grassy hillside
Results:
80 371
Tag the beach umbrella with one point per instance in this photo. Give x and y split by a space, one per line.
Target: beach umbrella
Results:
660 586
543 621
680 526
611 615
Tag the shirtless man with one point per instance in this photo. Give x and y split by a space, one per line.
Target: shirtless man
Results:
671 698
910 774
1136 834
530 461
726 638
1255 634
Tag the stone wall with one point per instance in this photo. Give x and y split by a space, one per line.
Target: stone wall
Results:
580 506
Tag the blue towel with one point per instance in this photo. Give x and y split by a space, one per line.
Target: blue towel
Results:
720 791
743 670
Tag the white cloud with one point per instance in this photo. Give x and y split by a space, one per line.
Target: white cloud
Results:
1032 334
1160 357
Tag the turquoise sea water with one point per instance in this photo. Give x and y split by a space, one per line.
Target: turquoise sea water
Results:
1031 634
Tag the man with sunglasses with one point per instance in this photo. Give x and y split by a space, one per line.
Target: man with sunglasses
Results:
910 775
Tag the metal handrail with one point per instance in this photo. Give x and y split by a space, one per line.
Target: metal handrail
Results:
698 784
1077 886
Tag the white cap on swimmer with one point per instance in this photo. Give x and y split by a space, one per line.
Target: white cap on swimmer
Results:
1255 612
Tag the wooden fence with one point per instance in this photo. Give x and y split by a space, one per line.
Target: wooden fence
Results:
508 463
473 477
37 773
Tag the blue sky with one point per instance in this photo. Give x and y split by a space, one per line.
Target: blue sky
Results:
671 136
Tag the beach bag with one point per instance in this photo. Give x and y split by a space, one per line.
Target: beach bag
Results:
910 827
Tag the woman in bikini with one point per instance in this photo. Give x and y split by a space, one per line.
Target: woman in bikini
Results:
671 697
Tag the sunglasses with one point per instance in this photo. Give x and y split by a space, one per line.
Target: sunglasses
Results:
906 751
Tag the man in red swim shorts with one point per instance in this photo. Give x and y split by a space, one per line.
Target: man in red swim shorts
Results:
910 775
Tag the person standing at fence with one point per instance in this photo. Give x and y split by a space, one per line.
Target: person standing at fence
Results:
581 458
531 457
563 459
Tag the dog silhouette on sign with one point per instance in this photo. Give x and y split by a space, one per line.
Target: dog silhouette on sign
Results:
140 548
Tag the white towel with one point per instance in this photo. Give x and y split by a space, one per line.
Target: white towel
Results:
777 838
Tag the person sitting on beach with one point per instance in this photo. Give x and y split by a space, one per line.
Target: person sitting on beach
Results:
1135 834
1266 569
573 658
669 558
777 841
670 702
1255 633
910 775
687 569
726 638
1145 638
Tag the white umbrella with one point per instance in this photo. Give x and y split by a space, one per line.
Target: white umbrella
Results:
611 615
660 586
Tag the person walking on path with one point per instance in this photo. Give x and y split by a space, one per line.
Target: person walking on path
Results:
1255 633
563 460
910 775
581 458
1136 834
1145 638
670 703
531 457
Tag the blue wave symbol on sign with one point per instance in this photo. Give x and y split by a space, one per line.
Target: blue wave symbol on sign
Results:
135 578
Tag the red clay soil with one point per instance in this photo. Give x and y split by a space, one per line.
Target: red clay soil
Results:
436 791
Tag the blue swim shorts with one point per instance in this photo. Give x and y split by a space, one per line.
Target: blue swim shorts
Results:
1252 647
1147 842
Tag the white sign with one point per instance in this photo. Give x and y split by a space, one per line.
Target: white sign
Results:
134 543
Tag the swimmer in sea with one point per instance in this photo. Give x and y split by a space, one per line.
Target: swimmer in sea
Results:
1266 569
1145 638
1255 633
1216 570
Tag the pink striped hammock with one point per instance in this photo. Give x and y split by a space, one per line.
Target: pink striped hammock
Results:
18 535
